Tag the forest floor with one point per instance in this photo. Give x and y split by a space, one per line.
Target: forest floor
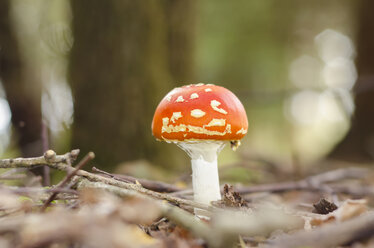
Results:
99 209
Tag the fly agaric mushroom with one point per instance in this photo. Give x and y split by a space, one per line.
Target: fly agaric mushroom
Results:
199 118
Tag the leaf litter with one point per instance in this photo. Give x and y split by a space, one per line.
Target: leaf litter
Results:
110 216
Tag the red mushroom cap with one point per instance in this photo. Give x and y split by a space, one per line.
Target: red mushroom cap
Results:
200 112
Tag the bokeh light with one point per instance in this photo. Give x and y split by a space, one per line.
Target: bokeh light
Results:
340 73
303 107
57 105
322 104
5 115
332 44
304 72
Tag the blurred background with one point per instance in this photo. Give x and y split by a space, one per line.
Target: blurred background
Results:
89 74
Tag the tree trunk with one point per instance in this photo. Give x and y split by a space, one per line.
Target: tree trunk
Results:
24 105
358 145
120 69
180 20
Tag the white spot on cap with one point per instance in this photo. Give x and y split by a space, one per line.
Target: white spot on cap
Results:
242 130
215 104
199 84
180 99
168 98
216 123
175 116
208 90
192 129
203 130
165 121
228 128
197 113
194 96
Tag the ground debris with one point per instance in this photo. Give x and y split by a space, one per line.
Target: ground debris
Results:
324 206
231 198
104 210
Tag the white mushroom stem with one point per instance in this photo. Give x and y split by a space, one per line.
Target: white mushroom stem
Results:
205 180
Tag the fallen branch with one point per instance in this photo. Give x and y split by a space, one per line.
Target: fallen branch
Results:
315 183
49 158
140 189
227 224
68 177
329 235
148 184
64 163
182 217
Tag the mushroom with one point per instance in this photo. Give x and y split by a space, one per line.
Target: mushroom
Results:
200 119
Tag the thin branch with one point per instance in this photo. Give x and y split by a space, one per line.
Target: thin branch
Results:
68 177
174 213
148 184
63 162
313 183
140 189
49 158
226 224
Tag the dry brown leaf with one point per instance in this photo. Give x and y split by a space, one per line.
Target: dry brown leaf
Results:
348 210
231 198
324 206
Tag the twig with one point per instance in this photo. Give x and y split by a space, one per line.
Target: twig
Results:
312 183
226 224
178 215
63 162
148 184
140 189
68 177
342 233
49 158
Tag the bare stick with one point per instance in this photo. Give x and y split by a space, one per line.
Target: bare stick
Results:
68 177
312 183
180 216
148 184
63 162
227 224
49 158
140 189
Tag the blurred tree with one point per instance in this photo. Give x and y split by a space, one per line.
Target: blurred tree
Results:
19 86
126 56
358 145
180 28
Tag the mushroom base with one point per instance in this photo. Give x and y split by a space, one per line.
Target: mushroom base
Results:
205 180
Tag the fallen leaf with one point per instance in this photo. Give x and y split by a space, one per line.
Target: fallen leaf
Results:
324 206
348 210
231 198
